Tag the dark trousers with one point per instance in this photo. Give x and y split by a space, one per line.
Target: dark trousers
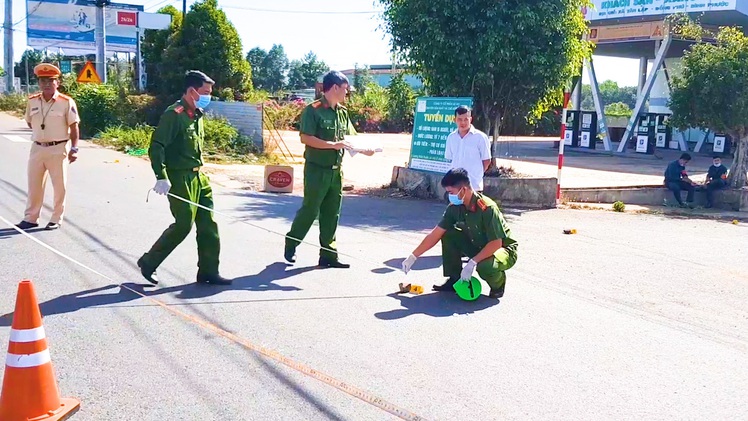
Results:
194 187
677 186
713 186
323 197
455 245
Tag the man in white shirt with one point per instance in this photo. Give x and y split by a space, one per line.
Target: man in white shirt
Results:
469 148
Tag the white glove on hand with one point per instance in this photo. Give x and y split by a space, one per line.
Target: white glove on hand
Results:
162 186
467 271
408 263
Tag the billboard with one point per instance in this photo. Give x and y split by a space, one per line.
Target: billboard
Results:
434 120
70 24
620 9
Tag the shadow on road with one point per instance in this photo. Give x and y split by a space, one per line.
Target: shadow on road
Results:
262 281
71 303
357 211
435 305
423 263
9 232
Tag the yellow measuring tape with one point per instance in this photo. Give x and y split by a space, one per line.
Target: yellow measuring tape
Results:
351 390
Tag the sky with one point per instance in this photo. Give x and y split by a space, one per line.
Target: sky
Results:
342 33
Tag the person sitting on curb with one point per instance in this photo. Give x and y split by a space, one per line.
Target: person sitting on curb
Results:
474 227
716 179
676 180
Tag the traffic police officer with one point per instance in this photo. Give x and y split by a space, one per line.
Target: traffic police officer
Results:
53 119
176 158
324 124
472 226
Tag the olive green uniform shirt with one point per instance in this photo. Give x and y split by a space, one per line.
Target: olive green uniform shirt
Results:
330 124
177 142
481 221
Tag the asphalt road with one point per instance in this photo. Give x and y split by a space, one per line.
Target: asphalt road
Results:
635 317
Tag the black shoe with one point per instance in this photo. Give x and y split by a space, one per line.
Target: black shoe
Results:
52 226
148 273
26 225
447 286
214 279
290 255
497 293
328 263
708 206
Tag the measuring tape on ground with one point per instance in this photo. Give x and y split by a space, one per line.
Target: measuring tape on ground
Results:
349 389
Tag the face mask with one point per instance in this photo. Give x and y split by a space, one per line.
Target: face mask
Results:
203 101
455 199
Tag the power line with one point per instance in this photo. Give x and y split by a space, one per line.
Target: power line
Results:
162 3
312 12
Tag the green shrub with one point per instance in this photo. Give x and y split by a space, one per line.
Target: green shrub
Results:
401 105
13 103
135 110
226 94
618 109
282 116
619 206
97 107
368 110
221 137
127 139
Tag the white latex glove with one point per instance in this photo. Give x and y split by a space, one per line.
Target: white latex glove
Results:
162 186
467 271
408 263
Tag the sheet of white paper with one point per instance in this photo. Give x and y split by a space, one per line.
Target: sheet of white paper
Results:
359 144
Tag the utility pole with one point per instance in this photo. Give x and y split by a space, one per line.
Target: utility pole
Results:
100 36
9 45
184 7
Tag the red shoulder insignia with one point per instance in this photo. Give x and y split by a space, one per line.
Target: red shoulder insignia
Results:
36 95
482 204
63 96
316 104
178 109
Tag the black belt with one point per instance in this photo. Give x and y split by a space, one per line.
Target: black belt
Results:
46 144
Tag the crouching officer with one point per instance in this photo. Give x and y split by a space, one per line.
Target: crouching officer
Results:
176 158
472 226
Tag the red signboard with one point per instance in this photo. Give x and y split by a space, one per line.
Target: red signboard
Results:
127 18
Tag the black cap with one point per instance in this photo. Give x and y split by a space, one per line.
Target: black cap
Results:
196 74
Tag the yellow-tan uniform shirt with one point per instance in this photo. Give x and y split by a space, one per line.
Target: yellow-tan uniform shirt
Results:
56 115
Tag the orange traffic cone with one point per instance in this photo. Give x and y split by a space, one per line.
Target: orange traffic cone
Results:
29 390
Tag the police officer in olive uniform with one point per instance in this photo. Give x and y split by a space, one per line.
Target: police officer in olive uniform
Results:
474 227
53 119
324 124
176 158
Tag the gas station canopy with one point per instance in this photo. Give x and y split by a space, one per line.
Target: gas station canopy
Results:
631 28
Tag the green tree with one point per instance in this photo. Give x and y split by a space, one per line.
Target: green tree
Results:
256 59
34 57
304 73
361 78
512 56
268 67
401 104
152 48
208 42
712 92
610 93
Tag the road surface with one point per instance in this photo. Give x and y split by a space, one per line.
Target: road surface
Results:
635 317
